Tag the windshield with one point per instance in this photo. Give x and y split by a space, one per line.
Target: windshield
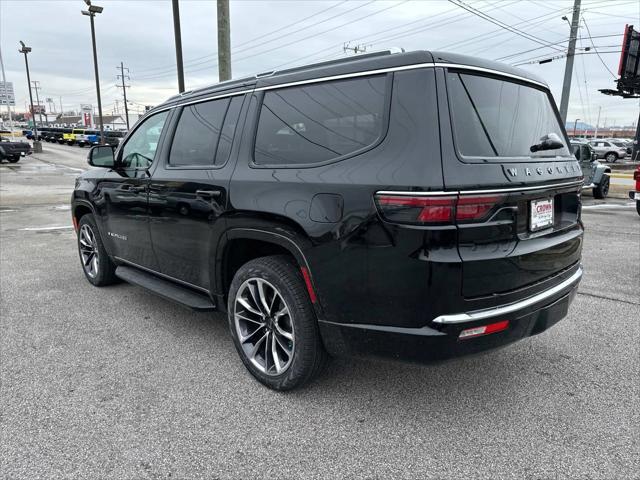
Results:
500 118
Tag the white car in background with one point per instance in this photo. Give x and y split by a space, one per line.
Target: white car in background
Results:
608 150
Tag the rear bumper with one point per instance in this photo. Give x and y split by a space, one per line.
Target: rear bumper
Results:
439 341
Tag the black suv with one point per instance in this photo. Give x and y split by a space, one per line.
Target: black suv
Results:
415 206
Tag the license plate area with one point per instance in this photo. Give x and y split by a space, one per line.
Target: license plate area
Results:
541 214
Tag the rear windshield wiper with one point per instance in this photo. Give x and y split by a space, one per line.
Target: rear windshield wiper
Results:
550 141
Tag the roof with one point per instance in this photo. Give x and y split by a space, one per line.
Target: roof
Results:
345 66
111 118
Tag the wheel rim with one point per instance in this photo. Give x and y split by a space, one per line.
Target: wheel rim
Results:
264 326
611 158
88 251
605 187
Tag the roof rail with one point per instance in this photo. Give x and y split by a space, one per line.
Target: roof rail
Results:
338 61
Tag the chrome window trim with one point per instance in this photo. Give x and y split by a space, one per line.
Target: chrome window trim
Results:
359 74
471 192
505 309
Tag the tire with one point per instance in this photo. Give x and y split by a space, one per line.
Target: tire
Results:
101 271
602 189
300 356
638 207
611 157
14 159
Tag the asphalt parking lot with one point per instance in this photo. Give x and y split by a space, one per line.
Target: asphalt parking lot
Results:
117 383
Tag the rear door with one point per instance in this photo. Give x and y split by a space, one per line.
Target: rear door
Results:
506 153
188 193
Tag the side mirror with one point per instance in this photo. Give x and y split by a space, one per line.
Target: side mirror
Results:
101 156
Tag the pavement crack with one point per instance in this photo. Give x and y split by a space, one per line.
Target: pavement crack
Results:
603 297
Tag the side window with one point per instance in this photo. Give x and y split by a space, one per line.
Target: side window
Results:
228 130
319 122
198 132
141 146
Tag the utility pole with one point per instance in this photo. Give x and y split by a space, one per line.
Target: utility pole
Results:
124 90
178 40
91 12
36 87
568 68
224 41
61 111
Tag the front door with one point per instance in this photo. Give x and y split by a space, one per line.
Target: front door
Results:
188 192
124 194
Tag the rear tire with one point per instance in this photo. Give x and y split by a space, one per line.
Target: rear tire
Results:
611 157
638 207
14 159
96 264
282 351
602 189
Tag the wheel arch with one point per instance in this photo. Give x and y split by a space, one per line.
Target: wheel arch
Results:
241 244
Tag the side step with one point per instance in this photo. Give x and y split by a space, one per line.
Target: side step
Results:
166 289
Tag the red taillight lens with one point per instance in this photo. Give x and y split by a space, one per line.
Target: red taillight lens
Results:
484 330
435 209
636 175
414 209
475 207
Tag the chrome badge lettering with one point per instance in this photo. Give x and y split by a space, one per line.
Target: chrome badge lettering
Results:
117 235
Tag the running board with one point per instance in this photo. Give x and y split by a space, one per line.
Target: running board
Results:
166 289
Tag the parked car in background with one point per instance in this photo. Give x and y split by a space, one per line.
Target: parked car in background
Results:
609 151
635 194
375 205
88 138
596 175
618 142
13 151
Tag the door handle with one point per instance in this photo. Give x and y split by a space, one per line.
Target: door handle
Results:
208 193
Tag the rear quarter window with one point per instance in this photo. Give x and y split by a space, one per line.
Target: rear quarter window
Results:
321 122
494 117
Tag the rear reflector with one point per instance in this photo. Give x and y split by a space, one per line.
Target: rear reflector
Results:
484 330
436 209
309 285
75 223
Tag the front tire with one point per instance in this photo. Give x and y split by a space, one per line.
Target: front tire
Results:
638 207
602 189
273 324
611 157
95 262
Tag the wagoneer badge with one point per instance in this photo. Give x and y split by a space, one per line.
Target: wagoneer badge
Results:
514 172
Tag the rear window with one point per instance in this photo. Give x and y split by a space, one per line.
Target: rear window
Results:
316 123
500 118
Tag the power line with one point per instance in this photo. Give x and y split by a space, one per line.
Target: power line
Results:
596 50
491 19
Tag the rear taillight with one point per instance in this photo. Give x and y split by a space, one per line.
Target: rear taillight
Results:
636 175
484 330
435 209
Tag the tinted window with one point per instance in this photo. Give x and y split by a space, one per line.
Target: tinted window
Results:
320 122
141 146
499 118
197 133
228 129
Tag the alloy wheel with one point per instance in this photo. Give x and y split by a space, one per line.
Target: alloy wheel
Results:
264 326
88 250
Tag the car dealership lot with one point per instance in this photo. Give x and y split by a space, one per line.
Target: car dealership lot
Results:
116 382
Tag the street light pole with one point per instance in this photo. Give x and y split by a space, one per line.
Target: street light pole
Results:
575 124
92 11
37 145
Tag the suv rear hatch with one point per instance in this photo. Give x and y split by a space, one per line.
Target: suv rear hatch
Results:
505 150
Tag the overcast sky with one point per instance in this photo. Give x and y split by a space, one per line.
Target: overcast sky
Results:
269 34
